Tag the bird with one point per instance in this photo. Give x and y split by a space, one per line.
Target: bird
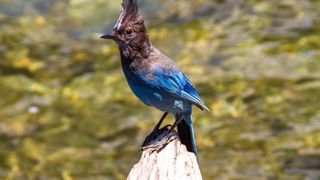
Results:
152 76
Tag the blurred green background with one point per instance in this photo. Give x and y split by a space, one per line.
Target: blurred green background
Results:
66 111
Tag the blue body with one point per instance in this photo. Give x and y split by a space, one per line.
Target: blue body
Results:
160 92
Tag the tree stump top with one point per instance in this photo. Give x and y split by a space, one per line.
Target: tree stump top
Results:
166 160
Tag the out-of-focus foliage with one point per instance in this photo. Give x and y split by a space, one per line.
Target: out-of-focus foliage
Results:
66 111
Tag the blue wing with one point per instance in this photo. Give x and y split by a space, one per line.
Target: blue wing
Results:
177 84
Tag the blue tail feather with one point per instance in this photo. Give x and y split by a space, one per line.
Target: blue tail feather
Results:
186 133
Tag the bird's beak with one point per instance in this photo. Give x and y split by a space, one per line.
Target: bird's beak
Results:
108 36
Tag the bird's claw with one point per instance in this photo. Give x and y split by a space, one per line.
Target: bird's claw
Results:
154 140
158 145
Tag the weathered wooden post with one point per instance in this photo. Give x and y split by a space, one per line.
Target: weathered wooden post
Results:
166 162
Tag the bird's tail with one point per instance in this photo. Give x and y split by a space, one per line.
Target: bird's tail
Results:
186 133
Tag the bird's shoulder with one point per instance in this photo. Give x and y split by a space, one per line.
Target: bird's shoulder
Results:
164 71
156 64
159 61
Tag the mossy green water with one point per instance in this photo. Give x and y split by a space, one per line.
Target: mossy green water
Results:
66 111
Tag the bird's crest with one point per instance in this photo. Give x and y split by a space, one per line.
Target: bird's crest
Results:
129 13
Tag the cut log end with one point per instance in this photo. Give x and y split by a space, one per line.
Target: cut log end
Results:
166 159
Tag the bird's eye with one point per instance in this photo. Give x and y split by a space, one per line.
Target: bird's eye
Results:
128 32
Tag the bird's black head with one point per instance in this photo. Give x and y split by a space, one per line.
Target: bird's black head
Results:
129 31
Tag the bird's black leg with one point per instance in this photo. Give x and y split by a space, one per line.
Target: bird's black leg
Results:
157 127
176 122
154 132
167 136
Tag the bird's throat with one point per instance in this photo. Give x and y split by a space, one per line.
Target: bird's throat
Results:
136 52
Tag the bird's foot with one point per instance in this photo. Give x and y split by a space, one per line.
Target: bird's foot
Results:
158 139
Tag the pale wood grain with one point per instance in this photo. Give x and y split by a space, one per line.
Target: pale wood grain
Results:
172 162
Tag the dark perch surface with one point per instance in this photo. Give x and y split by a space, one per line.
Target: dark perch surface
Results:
163 160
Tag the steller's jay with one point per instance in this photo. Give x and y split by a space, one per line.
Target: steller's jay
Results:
152 76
